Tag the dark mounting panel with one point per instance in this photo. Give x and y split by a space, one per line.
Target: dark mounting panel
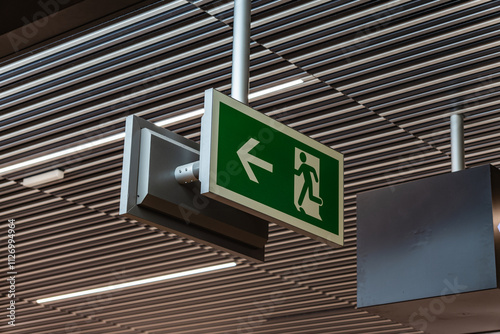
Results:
150 194
429 251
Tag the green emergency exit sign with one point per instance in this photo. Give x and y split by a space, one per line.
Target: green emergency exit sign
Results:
261 166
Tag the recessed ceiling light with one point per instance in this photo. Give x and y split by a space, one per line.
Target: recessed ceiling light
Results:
62 153
172 120
139 282
180 118
275 88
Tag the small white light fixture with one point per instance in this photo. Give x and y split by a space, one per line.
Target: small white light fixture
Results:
47 177
139 282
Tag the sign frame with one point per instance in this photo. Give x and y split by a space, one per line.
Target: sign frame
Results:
208 170
157 199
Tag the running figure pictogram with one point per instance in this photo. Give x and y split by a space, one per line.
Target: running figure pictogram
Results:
306 170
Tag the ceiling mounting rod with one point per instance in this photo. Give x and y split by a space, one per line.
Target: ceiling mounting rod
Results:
457 142
189 173
241 50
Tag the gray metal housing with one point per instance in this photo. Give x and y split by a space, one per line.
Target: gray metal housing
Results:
151 194
429 250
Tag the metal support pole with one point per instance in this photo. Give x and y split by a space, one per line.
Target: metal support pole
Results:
457 142
241 50
189 173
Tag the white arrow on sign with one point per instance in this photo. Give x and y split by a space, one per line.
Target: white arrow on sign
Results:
246 158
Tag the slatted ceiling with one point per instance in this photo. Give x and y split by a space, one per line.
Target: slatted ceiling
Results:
320 44
119 29
339 325
323 107
204 308
296 19
312 41
405 172
104 191
430 75
168 298
439 138
90 326
379 156
108 206
108 277
291 39
114 38
478 148
479 131
290 254
315 268
338 317
384 174
84 112
110 228
335 326
373 139
403 73
38 205
480 120
330 266
9 187
441 84
42 321
145 241
94 242
209 309
408 173
433 103
263 26
269 65
64 228
65 187
73 175
363 327
101 275
336 288
296 259
344 132
292 101
34 313
357 167
11 198
77 156
435 97
55 142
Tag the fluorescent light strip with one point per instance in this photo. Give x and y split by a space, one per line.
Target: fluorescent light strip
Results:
68 151
172 120
276 88
180 118
139 282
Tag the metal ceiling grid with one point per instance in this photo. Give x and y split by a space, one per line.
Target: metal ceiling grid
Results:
380 79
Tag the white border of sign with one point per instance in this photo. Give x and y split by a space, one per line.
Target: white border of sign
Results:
208 169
